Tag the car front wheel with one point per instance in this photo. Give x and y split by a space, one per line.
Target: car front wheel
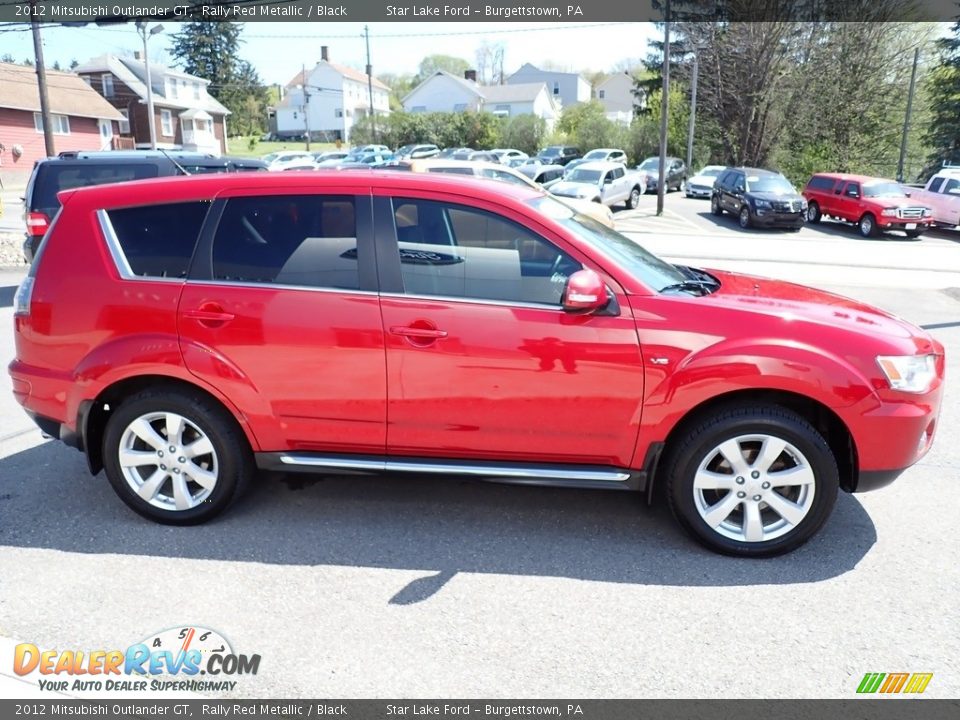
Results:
752 481
175 458
634 200
868 226
715 206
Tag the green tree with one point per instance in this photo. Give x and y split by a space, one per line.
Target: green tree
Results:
943 87
525 133
432 63
7 58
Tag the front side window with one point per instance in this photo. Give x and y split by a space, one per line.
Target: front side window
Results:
301 240
158 240
853 190
451 250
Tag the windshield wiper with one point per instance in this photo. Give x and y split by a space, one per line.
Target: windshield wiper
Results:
697 281
697 286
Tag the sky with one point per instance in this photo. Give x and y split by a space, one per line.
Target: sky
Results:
278 49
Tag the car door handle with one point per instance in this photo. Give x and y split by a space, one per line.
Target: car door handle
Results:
209 314
418 332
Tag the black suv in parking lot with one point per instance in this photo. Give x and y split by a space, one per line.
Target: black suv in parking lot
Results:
758 197
558 154
78 169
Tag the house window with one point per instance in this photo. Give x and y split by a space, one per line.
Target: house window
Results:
125 123
556 87
107 80
502 110
186 125
86 79
196 91
295 116
418 108
106 129
460 107
339 112
601 94
171 88
166 123
60 124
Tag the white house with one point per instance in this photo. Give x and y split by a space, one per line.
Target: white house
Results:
568 88
615 93
445 92
327 101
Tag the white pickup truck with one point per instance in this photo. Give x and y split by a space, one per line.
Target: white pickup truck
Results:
608 183
942 195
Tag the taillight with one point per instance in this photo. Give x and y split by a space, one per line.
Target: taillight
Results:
37 223
21 300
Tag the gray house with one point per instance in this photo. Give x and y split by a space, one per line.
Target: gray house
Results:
567 88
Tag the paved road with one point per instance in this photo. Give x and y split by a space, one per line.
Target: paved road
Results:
424 587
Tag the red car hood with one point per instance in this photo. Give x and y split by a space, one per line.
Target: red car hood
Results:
790 301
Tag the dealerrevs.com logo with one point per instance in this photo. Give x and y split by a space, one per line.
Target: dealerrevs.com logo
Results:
173 659
894 683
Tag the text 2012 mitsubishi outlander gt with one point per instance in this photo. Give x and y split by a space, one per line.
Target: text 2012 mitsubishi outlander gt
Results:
184 331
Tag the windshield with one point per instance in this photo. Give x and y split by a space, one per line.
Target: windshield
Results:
710 171
550 152
650 164
771 184
578 175
595 155
270 157
642 264
885 189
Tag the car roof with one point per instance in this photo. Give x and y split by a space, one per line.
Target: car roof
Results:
155 191
606 150
757 171
864 179
601 165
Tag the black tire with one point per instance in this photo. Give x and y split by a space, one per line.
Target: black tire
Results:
867 226
634 199
813 213
746 222
233 459
715 207
699 443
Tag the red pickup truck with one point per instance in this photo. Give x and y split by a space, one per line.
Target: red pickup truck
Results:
874 204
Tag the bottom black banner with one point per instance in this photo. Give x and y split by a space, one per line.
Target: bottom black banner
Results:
873 709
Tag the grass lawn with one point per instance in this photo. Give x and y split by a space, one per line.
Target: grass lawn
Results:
240 146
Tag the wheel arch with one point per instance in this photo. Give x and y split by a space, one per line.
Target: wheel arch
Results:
93 414
823 418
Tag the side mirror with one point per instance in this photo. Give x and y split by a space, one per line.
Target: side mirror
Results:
908 193
585 292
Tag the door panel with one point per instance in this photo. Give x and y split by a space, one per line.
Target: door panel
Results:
284 325
495 369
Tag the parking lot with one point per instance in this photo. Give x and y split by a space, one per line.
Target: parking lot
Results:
375 587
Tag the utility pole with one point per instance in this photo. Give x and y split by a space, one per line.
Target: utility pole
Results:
693 110
151 120
906 119
664 102
306 105
373 117
42 82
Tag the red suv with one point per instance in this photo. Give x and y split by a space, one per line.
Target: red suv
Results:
874 204
183 332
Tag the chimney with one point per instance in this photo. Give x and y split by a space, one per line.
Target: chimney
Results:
324 53
470 75
136 54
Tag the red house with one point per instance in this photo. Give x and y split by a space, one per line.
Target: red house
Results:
81 118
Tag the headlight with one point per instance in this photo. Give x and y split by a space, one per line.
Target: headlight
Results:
909 373
927 212
803 204
889 212
762 204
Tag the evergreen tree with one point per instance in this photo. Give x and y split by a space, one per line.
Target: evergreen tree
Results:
943 133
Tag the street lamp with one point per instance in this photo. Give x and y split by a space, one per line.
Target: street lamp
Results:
145 33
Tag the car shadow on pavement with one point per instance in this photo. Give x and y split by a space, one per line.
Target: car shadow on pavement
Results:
442 527
829 228
6 295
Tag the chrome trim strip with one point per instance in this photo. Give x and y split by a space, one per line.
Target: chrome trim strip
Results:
474 301
455 469
279 286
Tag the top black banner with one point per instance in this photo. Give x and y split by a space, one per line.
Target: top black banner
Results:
66 12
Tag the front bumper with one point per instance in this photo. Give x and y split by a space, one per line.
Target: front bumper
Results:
898 224
770 218
699 191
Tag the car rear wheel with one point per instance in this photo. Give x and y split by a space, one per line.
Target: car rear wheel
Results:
868 226
634 200
813 213
752 480
715 206
174 458
745 221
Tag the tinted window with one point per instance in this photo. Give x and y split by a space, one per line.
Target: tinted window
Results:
951 186
454 251
54 177
307 240
818 182
452 170
159 240
852 190
935 185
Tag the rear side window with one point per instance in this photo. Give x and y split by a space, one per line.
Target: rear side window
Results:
159 240
54 177
819 182
302 240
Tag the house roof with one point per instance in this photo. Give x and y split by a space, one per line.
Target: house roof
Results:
348 72
68 93
520 92
468 84
616 76
133 73
528 67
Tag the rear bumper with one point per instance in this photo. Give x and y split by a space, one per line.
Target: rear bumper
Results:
57 430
